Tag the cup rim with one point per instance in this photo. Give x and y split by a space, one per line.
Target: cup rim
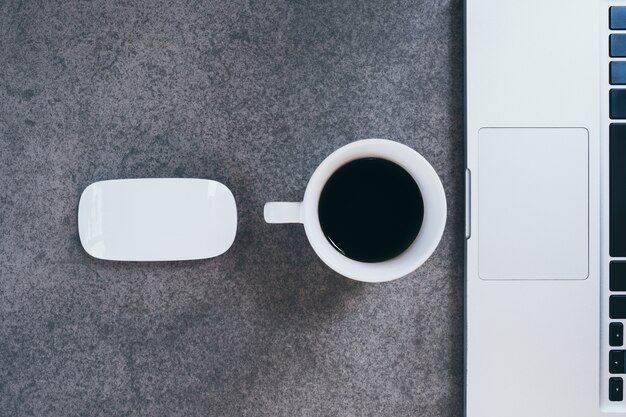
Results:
433 224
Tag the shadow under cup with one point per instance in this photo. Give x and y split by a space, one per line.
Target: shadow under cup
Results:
371 210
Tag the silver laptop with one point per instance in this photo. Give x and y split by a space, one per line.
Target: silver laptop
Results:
546 208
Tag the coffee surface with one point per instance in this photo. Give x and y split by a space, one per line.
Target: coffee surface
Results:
371 210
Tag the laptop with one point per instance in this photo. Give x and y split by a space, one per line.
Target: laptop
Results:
545 208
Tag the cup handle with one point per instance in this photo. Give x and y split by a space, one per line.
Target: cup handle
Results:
283 212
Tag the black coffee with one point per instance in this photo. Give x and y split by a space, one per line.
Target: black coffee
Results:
371 210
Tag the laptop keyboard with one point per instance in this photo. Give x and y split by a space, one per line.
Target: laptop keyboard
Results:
617 201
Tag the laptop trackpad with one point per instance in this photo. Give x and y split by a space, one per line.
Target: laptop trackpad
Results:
533 203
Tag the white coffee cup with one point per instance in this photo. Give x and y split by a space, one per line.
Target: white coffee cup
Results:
306 212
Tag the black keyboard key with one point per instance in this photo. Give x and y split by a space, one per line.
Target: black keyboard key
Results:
617 306
617 17
617 276
617 45
616 361
617 103
617 72
616 389
616 334
617 190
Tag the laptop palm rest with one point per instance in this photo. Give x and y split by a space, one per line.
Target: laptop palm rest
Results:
533 203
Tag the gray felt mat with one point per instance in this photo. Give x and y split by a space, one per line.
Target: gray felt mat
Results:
253 94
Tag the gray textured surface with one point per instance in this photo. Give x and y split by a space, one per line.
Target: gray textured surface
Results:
255 95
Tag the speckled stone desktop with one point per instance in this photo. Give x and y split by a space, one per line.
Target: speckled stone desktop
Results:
254 95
